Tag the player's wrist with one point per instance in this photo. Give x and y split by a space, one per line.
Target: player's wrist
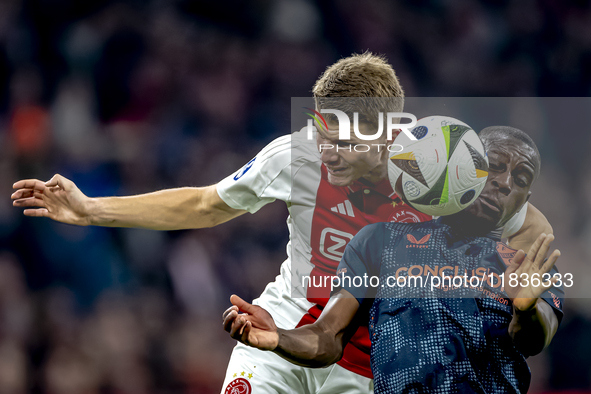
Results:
525 310
91 214
279 340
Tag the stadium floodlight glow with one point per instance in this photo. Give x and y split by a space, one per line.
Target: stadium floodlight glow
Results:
345 124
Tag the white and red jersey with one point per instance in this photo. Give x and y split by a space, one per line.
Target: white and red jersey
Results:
323 218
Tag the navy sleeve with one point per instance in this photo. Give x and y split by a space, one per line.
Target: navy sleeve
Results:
554 296
361 261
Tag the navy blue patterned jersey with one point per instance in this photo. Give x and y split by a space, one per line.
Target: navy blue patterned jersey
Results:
437 337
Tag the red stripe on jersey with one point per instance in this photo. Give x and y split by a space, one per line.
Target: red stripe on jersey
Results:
356 354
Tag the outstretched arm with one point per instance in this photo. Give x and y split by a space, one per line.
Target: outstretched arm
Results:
172 209
314 345
534 322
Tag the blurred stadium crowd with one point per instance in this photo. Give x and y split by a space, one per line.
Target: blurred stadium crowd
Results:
131 97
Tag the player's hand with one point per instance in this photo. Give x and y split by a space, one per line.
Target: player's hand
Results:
255 327
58 199
530 272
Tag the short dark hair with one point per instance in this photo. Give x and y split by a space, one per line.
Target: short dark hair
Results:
489 134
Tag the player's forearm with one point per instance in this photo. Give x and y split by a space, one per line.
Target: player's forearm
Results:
533 330
172 209
309 346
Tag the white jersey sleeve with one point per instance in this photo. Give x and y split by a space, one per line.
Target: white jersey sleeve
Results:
516 222
262 180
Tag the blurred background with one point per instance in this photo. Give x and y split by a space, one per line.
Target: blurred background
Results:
126 97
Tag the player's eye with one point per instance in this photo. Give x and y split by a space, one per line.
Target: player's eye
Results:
494 167
344 143
522 181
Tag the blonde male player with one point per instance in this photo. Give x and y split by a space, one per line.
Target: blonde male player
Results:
330 196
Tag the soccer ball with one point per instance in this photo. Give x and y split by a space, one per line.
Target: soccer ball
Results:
444 170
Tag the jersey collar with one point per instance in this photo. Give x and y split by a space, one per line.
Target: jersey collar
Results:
383 187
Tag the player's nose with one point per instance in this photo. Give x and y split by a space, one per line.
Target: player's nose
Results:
502 181
329 154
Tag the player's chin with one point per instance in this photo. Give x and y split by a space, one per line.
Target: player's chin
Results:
484 213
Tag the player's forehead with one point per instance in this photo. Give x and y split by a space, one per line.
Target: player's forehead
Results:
332 133
512 151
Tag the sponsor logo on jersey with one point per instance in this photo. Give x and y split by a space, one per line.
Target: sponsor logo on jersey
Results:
414 243
555 299
238 386
243 171
345 208
506 253
333 243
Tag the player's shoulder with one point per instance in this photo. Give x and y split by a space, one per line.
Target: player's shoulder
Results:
280 146
403 232
304 144
390 231
294 148
372 229
370 236
405 228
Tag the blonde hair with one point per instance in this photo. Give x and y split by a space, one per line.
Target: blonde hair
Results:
363 83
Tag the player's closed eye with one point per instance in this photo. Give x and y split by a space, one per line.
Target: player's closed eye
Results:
496 167
520 182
